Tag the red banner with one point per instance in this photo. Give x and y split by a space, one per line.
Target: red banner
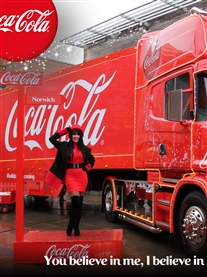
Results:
40 98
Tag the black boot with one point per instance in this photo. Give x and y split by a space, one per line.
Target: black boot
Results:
74 209
77 219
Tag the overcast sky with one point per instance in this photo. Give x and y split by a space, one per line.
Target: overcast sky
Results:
75 16
78 15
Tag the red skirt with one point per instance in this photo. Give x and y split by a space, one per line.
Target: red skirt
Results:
76 179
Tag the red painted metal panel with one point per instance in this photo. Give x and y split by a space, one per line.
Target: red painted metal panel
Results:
99 96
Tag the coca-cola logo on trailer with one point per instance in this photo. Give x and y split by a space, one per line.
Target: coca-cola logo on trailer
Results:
45 119
27 28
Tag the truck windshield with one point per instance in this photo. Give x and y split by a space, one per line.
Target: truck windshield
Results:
202 97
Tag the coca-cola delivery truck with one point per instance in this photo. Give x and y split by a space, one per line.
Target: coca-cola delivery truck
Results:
144 114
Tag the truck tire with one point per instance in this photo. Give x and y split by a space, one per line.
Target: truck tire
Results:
5 208
110 215
193 223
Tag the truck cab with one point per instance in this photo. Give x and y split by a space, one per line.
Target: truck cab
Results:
170 139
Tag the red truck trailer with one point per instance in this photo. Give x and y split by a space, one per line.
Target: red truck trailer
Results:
144 112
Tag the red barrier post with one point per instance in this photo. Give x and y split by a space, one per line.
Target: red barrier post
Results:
20 165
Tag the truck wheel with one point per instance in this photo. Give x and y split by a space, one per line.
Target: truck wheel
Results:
5 208
193 223
110 215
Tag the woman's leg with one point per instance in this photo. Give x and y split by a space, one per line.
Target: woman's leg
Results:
74 211
78 218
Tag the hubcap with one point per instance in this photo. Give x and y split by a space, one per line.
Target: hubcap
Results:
194 227
108 201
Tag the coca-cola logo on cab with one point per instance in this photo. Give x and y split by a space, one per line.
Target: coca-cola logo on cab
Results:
152 59
27 28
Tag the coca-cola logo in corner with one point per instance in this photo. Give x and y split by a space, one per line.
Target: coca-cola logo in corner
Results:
20 78
27 28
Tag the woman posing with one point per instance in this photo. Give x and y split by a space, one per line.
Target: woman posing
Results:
72 162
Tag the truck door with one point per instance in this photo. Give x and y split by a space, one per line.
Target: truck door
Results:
163 139
175 127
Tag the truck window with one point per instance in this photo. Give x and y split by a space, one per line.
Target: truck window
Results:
179 83
201 97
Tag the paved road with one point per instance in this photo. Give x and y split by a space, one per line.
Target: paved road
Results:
147 253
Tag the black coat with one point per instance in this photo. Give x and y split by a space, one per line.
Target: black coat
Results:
58 167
